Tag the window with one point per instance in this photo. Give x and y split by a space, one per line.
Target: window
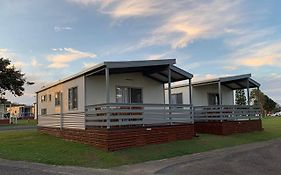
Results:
43 111
213 99
50 97
176 98
128 95
72 98
43 98
57 98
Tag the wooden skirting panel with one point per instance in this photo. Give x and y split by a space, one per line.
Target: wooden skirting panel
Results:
4 121
228 127
120 138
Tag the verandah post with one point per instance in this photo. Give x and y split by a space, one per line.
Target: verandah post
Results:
169 92
248 91
258 102
248 98
107 96
190 101
220 100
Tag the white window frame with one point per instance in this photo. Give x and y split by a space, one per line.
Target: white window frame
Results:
71 99
57 98
129 95
44 98
44 113
176 94
216 98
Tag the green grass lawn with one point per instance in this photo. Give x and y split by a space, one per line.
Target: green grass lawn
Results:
22 122
27 122
37 147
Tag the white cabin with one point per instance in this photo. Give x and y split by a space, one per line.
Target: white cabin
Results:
218 91
107 89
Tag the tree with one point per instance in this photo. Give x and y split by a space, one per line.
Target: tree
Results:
11 79
258 98
240 98
267 105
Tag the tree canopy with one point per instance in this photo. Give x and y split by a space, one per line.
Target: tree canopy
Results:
266 104
11 79
240 98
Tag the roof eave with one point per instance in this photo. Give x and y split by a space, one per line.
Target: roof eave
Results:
254 82
139 63
232 78
183 72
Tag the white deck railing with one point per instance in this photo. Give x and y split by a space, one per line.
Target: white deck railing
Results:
113 114
226 112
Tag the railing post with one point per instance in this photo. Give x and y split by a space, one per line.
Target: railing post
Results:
248 112
107 116
170 114
221 108
192 113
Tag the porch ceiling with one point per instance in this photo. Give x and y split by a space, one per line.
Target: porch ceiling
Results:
232 82
239 82
157 70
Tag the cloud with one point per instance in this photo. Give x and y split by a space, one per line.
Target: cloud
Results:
198 21
5 53
69 55
200 77
157 56
88 65
3 50
270 85
246 36
34 63
62 28
15 61
125 8
57 49
267 53
86 2
19 64
178 23
230 67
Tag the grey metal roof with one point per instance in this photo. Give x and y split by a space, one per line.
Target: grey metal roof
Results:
232 82
155 69
142 63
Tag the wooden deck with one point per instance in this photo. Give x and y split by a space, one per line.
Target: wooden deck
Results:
132 115
226 113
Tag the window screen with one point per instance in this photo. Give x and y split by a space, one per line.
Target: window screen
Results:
73 98
128 95
176 98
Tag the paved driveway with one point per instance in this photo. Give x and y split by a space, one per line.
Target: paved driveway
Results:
262 158
257 159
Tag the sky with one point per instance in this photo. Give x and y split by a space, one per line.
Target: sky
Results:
51 39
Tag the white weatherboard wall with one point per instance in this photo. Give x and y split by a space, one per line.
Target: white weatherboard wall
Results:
71 118
153 91
185 94
200 94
